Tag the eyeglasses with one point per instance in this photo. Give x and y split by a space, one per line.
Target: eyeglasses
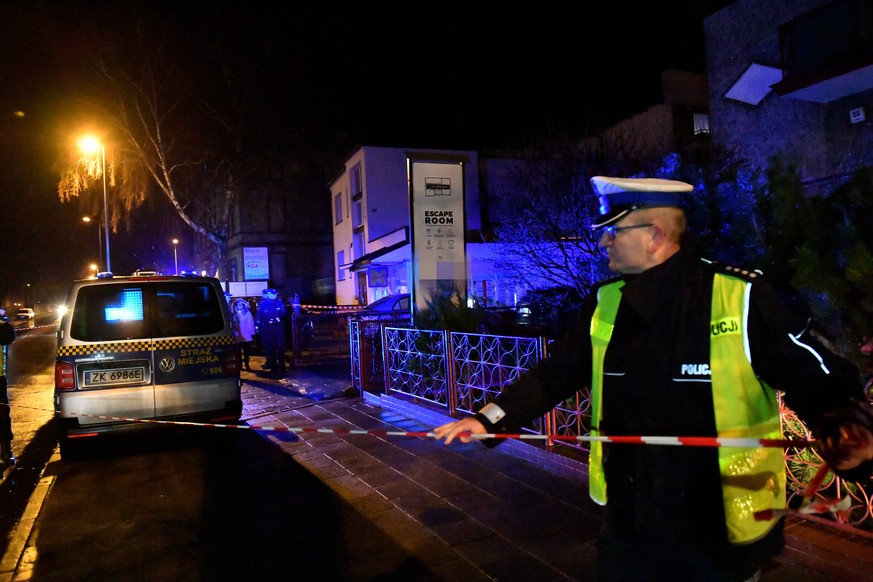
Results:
613 231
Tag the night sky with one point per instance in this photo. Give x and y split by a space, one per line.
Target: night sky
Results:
444 75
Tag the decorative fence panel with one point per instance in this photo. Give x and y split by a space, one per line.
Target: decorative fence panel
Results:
416 364
485 364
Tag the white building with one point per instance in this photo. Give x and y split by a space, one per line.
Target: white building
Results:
372 225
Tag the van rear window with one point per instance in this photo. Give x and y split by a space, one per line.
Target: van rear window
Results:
165 309
185 308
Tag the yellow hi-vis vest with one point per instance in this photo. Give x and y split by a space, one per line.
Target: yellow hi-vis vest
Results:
753 479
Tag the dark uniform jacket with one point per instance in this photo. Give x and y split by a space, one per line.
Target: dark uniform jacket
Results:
270 312
668 495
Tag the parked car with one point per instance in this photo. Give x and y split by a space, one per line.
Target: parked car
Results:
497 320
143 347
25 313
546 312
388 307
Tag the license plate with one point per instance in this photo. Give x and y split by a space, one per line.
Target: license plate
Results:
114 376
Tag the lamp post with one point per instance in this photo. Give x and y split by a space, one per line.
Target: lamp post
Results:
90 144
99 239
175 256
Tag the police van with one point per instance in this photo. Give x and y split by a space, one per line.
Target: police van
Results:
144 347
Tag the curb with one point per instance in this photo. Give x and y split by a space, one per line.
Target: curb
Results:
16 563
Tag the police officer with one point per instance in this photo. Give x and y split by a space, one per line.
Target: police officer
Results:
7 336
680 346
271 326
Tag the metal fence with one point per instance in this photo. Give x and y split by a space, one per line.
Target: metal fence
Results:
461 372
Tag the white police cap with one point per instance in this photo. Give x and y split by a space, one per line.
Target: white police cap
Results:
620 196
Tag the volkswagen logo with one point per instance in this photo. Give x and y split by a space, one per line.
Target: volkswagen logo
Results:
167 364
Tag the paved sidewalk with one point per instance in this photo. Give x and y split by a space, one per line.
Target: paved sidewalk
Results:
467 509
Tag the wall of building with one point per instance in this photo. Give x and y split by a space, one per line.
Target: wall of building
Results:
657 130
286 213
818 137
344 288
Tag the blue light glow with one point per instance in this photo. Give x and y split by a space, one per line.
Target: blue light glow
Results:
129 308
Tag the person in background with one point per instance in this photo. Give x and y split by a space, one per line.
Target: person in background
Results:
676 345
7 336
243 329
271 326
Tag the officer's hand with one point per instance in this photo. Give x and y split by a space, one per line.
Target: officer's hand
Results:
453 429
847 446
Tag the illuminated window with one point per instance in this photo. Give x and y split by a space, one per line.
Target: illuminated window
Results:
340 261
701 123
128 307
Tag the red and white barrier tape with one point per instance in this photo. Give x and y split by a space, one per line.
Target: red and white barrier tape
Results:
679 441
810 506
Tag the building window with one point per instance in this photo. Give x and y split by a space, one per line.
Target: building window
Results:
701 123
340 261
338 208
358 247
358 212
355 180
826 38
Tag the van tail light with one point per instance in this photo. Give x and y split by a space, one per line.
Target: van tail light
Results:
231 362
65 376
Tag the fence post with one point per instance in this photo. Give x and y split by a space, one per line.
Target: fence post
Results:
384 350
549 418
451 373
355 355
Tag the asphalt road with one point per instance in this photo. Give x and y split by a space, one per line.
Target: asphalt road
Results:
195 505
174 503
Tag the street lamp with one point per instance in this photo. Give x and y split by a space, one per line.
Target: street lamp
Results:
90 145
99 239
175 256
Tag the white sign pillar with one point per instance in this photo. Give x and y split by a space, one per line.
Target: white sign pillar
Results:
439 261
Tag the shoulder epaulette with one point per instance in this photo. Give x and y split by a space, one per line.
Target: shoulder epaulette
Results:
734 271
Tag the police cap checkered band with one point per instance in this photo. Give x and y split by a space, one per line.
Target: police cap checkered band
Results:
620 196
